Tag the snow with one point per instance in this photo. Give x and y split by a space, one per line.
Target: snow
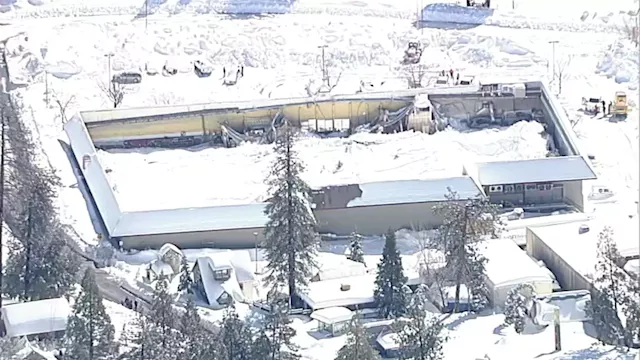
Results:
564 240
365 44
138 176
36 317
563 168
332 315
414 191
190 219
332 266
326 294
508 266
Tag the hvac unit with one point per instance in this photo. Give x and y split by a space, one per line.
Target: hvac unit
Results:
495 188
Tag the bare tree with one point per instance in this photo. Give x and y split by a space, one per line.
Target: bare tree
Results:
630 30
414 75
562 65
114 92
62 106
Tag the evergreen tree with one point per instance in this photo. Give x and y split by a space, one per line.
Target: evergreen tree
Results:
420 336
291 239
10 347
610 279
358 345
185 276
515 306
163 322
356 254
192 336
278 330
234 337
604 318
261 347
632 312
90 335
466 222
476 285
139 340
389 294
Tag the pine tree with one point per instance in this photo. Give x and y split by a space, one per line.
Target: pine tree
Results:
476 285
632 312
465 223
163 322
185 276
515 306
138 337
90 335
261 346
420 336
389 294
356 254
234 337
358 345
610 278
291 239
192 335
278 330
604 318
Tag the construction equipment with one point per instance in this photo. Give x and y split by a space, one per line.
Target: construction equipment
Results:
620 107
479 3
412 54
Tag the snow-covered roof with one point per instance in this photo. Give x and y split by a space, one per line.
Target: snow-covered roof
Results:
36 317
334 266
508 265
564 239
160 267
414 191
325 294
173 221
332 315
562 168
213 288
164 249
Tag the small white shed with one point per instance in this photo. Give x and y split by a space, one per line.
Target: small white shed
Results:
508 266
335 320
36 317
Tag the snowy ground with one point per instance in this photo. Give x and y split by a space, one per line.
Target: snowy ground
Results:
280 56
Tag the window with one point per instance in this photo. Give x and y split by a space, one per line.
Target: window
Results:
558 186
540 187
508 188
519 187
495 188
222 274
531 186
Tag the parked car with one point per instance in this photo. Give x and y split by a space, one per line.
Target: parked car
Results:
169 69
127 78
202 69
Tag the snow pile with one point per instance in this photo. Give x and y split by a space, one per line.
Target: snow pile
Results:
620 62
212 176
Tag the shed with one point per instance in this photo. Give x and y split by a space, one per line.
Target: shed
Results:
335 320
36 317
508 266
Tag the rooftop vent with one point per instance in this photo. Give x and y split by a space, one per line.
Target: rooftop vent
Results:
345 287
584 228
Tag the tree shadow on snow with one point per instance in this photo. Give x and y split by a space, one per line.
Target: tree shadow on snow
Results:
591 353
253 8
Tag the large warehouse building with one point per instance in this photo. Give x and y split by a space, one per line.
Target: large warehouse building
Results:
371 208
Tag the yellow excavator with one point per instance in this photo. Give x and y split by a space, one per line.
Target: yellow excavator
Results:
620 107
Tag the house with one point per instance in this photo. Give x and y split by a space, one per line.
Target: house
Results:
224 277
350 292
171 255
334 266
36 318
335 320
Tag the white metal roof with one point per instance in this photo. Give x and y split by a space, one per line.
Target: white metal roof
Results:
326 294
414 191
563 168
508 265
36 317
332 315
173 221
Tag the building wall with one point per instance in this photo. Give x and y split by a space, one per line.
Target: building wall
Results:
537 193
207 123
239 238
462 107
376 220
573 193
568 278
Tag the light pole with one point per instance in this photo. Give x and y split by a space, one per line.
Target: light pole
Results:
255 237
2 157
325 77
109 56
553 59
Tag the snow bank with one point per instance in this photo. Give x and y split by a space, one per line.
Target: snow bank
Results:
620 62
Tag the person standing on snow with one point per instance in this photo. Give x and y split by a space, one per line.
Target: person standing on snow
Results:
604 108
451 73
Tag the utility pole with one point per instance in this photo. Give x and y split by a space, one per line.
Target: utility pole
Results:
553 60
325 76
146 14
108 56
255 236
2 159
46 87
